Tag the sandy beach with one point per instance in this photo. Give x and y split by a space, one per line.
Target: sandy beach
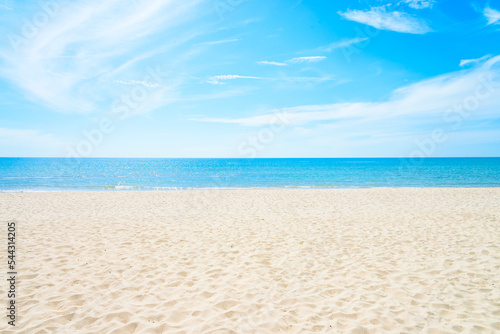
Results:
400 260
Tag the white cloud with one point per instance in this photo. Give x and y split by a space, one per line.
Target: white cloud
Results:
5 7
380 18
60 64
220 42
343 44
233 76
275 63
296 60
492 15
218 79
138 82
420 4
306 59
464 62
429 98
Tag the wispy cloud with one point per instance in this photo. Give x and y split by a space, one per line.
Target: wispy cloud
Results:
297 60
308 79
224 41
5 7
381 18
492 15
311 59
429 98
275 63
233 76
85 40
464 62
138 82
419 4
219 79
342 44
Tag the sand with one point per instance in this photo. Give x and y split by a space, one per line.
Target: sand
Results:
256 261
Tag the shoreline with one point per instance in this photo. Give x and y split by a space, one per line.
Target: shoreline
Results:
236 189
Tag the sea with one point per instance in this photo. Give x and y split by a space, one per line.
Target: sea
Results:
111 174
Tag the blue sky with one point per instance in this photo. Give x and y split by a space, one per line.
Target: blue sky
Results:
232 78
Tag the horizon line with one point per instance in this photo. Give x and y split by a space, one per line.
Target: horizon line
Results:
241 158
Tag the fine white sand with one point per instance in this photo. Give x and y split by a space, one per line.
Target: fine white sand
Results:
256 261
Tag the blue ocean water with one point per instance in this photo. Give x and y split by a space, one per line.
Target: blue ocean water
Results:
49 174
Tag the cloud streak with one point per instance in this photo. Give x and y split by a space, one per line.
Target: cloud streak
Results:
297 60
219 79
492 15
419 4
224 41
432 98
311 59
138 82
343 44
464 62
275 63
61 64
381 18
